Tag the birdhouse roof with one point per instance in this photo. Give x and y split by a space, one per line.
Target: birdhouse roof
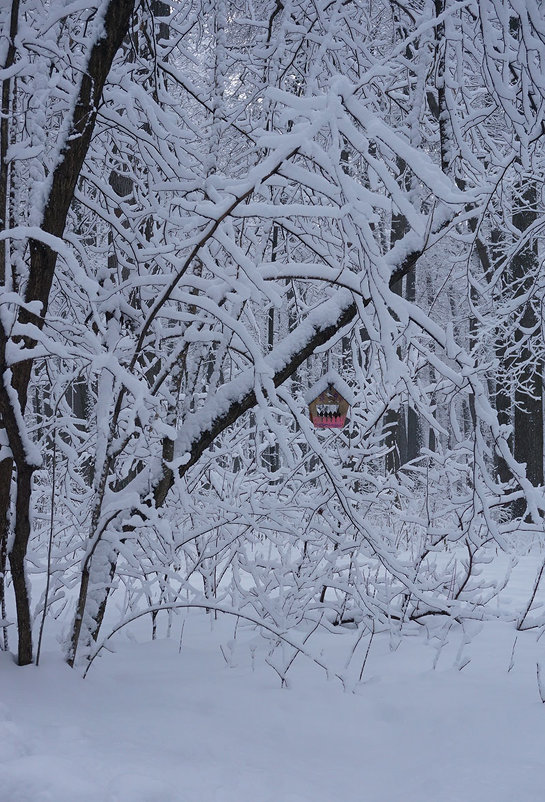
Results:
331 377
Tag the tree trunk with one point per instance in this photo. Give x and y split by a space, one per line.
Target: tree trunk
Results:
17 556
394 419
6 468
6 465
413 421
528 367
43 261
99 571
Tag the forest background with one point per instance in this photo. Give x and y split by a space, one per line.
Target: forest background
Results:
206 206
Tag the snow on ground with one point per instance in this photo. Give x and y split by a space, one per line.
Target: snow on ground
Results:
152 724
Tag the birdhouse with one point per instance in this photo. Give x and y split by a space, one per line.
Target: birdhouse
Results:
329 401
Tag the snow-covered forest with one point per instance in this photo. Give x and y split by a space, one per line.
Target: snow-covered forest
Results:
211 209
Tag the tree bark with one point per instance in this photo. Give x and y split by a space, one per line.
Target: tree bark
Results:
528 368
6 469
394 419
43 260
6 465
17 557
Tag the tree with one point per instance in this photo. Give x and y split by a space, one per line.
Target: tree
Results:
28 313
184 234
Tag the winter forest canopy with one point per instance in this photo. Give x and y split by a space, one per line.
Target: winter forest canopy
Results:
205 207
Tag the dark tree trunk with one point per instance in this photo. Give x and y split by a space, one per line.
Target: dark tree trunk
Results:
6 466
394 420
6 469
413 421
528 367
123 186
17 563
40 278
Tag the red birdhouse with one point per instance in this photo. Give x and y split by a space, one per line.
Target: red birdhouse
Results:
329 401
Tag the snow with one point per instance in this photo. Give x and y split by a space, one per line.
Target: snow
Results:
234 392
174 720
331 377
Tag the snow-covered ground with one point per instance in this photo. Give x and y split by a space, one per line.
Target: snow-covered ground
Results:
156 723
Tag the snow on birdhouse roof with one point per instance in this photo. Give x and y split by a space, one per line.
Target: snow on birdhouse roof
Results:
331 377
